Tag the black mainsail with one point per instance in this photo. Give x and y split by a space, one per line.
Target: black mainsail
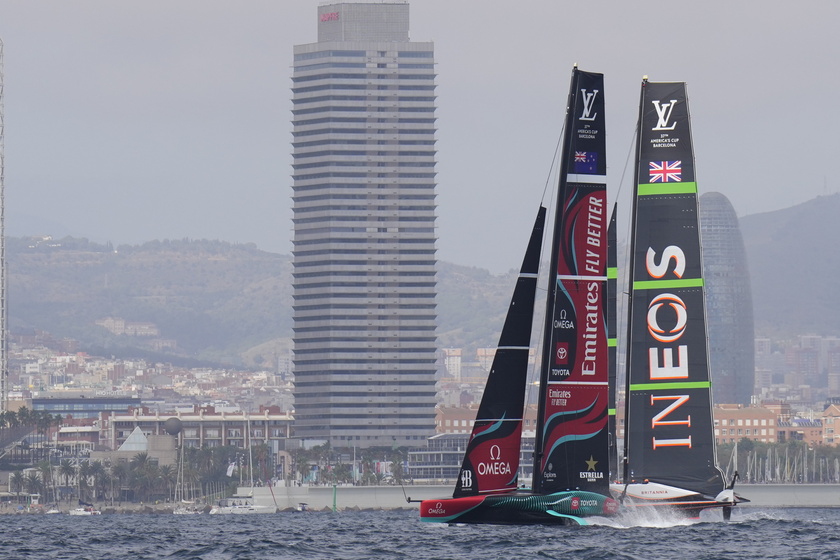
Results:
669 437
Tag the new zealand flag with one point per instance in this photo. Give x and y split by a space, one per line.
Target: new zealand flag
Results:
586 162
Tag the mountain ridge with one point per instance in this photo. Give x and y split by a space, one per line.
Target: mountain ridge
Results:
220 301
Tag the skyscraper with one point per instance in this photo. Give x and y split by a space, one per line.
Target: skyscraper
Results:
364 229
4 356
728 302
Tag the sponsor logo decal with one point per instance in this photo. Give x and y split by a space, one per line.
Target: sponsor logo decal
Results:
496 465
665 171
588 104
330 16
663 114
561 353
437 510
676 331
548 474
559 397
662 362
590 474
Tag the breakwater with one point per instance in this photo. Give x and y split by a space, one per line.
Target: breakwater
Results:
394 497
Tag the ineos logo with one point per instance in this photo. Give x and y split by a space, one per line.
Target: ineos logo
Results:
678 305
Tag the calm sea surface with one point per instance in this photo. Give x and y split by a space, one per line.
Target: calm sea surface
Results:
788 533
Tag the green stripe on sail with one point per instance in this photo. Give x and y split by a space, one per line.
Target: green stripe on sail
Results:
612 272
611 412
676 385
612 342
650 189
668 284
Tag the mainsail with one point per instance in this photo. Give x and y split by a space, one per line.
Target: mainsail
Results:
572 423
491 462
669 437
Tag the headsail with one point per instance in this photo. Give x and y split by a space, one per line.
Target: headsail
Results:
572 437
669 437
491 462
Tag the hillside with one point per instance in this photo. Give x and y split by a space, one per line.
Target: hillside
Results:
226 303
218 300
794 262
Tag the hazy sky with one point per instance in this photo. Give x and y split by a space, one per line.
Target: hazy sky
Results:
138 120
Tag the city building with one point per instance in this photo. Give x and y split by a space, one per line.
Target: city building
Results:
735 422
801 429
84 404
440 462
4 344
728 302
364 229
204 427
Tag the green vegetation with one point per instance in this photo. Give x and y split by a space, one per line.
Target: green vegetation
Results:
139 480
217 300
325 465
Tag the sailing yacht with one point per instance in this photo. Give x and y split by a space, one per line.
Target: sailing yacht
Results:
243 504
669 447
571 459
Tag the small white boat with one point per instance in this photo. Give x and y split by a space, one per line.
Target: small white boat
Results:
187 508
238 505
85 510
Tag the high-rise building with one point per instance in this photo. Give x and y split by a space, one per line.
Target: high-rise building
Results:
4 356
728 302
364 229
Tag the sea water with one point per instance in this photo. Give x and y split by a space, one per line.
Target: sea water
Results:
772 533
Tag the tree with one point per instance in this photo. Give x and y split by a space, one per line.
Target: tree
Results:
66 470
397 457
84 481
120 474
169 476
97 472
24 416
45 471
33 483
17 480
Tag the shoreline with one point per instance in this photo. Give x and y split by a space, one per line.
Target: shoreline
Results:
384 498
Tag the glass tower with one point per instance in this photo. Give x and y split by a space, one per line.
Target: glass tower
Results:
364 229
728 302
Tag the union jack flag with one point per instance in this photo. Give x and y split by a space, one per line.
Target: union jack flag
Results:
666 171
